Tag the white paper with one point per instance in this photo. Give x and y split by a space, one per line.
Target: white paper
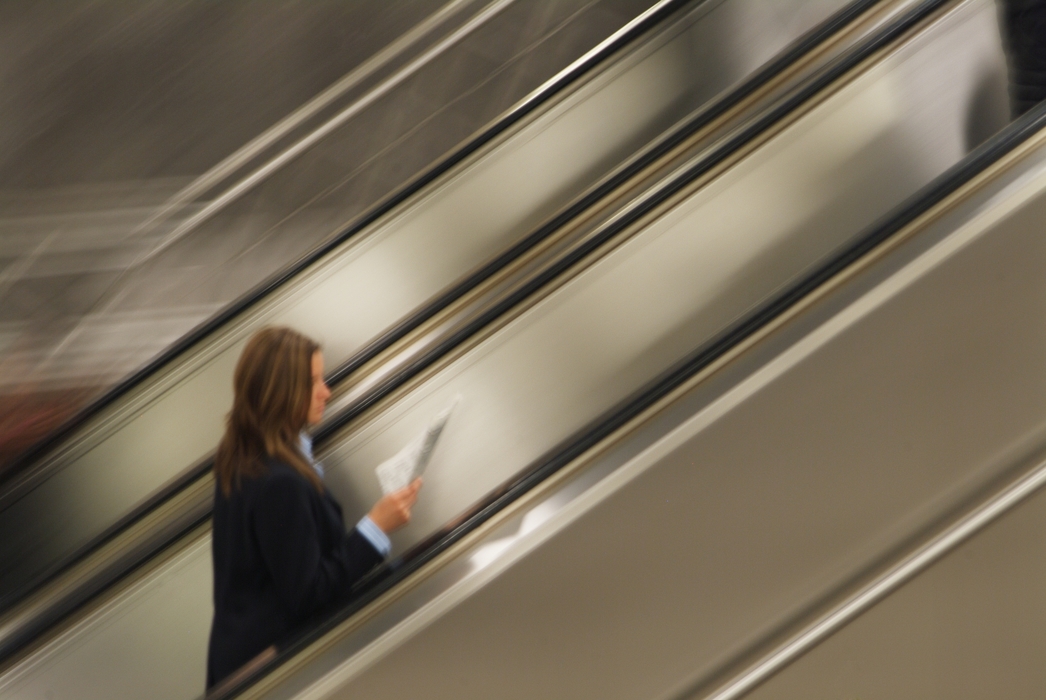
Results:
408 464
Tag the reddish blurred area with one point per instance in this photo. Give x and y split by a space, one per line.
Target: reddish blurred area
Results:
26 417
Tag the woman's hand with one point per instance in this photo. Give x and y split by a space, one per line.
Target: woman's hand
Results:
393 511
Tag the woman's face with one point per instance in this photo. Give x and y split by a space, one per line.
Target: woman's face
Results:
320 391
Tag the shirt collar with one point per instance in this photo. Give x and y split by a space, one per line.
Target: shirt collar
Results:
305 441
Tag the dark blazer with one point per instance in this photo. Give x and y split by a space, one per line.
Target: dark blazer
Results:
281 554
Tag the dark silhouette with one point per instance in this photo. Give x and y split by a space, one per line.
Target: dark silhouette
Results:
1025 29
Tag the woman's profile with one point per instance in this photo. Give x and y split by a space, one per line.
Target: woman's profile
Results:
280 549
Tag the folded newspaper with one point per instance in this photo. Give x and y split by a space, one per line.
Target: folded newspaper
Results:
408 464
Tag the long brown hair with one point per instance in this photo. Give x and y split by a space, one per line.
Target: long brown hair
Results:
272 393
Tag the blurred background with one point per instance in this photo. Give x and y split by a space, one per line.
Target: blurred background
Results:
160 159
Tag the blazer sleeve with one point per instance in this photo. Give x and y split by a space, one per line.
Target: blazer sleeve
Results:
288 538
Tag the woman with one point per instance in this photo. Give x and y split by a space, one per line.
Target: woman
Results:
281 553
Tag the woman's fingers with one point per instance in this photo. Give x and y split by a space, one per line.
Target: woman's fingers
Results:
405 499
393 511
410 492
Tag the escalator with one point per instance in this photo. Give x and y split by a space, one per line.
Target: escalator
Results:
614 335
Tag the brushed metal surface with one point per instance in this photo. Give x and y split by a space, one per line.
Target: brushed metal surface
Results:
972 626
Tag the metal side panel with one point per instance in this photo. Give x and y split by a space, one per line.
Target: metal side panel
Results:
972 626
174 421
150 641
857 424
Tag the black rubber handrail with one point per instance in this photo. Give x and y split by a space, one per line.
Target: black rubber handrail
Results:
274 283
801 47
395 572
